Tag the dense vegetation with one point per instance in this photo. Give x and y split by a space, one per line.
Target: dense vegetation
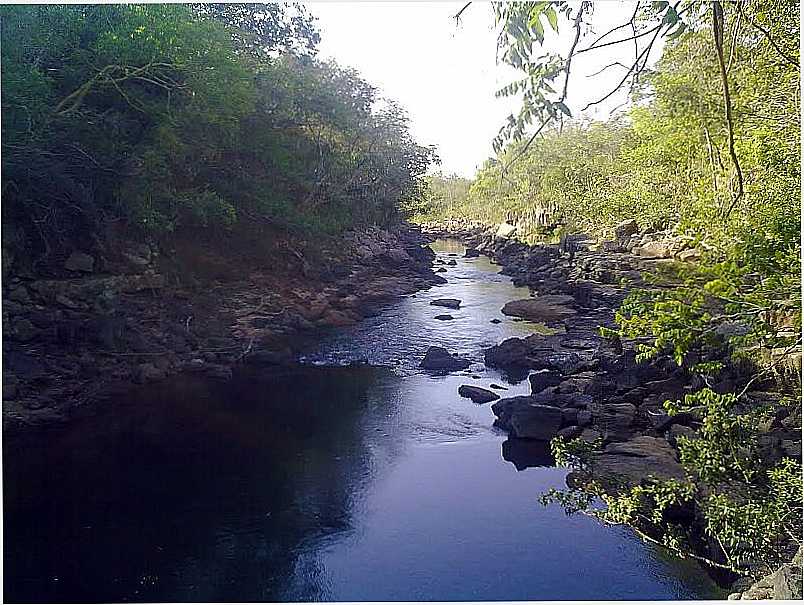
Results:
668 163
151 119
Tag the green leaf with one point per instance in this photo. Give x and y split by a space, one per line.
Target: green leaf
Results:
552 18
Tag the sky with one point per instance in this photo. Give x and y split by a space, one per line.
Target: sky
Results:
445 75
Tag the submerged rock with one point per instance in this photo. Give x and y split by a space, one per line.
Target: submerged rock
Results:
477 394
450 303
445 317
438 359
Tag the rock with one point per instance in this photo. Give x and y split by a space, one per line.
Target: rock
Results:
636 460
477 394
584 418
80 261
498 387
471 253
791 448
626 228
445 317
441 270
541 380
654 250
510 353
677 431
19 294
524 418
268 358
547 308
569 417
495 321
148 372
692 255
438 359
218 371
614 418
452 263
25 331
450 303
336 319
570 432
504 231
787 583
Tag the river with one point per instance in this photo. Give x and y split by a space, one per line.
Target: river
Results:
355 477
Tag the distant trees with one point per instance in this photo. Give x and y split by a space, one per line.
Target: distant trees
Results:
164 116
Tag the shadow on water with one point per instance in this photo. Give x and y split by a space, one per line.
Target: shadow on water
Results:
318 483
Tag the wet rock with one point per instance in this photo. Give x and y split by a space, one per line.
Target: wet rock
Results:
547 308
441 270
336 319
498 387
450 303
438 359
495 321
523 417
445 317
640 458
471 253
477 394
80 262
452 263
510 353
541 380
268 358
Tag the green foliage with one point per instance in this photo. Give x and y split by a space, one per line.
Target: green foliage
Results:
162 117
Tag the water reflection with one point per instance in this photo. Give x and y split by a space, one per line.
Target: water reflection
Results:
317 483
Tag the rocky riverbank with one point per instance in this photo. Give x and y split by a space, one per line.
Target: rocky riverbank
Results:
587 386
101 324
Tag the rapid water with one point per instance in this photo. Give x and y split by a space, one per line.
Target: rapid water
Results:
329 482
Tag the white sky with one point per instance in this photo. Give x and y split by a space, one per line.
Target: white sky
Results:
446 76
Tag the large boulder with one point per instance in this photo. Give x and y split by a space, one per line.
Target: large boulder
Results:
524 417
548 308
512 353
633 461
438 359
614 419
504 231
477 394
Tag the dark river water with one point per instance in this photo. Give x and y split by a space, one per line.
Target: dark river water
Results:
328 482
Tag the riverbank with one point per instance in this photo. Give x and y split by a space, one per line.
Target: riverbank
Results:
590 387
101 325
